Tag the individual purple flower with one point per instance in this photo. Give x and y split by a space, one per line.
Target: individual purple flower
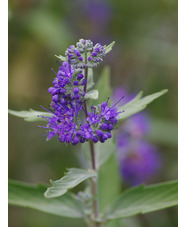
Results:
86 131
139 161
109 112
93 117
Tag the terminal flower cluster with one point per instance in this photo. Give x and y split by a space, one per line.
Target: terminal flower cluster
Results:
69 119
84 54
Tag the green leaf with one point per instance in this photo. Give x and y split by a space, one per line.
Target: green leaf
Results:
32 196
31 115
103 86
137 104
72 178
143 199
109 47
91 94
108 184
62 58
163 131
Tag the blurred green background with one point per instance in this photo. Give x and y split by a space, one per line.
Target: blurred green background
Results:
143 58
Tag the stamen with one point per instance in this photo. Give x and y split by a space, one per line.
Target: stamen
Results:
117 102
45 134
85 111
44 127
53 71
58 63
113 106
46 109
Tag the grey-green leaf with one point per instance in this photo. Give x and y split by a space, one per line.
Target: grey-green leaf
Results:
30 115
143 199
93 94
103 86
72 178
62 58
32 196
104 151
109 47
137 104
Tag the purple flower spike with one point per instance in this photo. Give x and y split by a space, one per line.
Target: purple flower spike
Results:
68 98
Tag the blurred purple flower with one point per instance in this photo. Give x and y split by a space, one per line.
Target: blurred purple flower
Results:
137 125
98 11
139 161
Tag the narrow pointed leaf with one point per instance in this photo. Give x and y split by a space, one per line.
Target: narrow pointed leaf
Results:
143 199
72 178
137 104
109 47
32 196
62 58
30 115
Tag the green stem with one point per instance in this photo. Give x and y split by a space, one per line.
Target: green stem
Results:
93 161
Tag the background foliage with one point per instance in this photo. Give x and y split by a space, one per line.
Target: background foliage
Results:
143 58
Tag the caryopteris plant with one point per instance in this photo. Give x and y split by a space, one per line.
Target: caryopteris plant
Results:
77 116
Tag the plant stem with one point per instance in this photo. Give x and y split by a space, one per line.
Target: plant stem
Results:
94 183
93 161
85 89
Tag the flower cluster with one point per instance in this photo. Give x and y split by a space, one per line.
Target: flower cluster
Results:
139 160
69 119
84 54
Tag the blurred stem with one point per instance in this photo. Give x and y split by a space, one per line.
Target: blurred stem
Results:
93 161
